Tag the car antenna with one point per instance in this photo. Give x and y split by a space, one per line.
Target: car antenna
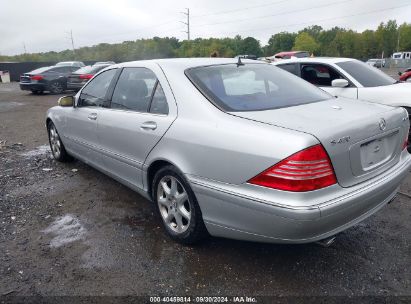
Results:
239 62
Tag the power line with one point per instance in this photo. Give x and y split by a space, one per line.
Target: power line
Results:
240 9
273 15
322 20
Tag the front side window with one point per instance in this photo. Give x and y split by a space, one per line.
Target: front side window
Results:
252 87
134 90
319 74
94 94
366 75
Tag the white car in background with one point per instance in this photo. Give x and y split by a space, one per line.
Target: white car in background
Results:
377 63
350 78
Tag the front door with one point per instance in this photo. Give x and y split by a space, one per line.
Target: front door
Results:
82 120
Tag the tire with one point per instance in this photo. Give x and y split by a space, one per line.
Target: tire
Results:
56 145
177 206
56 87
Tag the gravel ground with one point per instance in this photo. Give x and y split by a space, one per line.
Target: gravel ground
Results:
67 229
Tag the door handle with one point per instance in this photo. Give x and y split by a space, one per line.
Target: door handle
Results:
149 125
92 116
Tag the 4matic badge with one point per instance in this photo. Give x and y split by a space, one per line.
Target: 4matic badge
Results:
341 140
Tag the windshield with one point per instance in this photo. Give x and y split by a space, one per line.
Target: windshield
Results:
366 75
253 87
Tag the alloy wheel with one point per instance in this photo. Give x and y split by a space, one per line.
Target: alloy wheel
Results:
55 142
174 204
56 87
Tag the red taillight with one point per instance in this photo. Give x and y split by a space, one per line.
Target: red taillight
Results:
307 170
86 76
36 77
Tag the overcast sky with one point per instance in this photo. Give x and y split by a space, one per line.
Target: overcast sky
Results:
45 25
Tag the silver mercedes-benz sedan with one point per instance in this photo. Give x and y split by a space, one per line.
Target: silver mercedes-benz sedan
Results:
236 149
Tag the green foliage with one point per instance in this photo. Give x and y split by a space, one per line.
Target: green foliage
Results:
305 42
332 42
283 41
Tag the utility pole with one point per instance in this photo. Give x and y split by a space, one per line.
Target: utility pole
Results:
24 47
72 41
398 41
187 13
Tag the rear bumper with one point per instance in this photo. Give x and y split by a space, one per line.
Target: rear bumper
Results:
232 215
32 86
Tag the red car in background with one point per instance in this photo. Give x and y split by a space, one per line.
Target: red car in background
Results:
288 55
406 75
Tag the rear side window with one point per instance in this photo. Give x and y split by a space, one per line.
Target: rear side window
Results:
159 103
134 90
96 90
253 87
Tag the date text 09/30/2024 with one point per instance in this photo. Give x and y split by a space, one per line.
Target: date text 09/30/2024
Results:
205 299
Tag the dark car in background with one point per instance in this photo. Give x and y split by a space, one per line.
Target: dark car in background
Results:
80 77
52 79
78 64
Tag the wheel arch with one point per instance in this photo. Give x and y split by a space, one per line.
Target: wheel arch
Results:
48 120
152 168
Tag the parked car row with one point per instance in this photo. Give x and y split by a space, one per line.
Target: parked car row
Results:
68 75
240 148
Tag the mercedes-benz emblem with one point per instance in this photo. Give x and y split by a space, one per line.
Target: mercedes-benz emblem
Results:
382 124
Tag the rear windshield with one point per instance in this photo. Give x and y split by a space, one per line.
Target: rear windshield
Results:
253 87
301 55
366 75
90 69
40 70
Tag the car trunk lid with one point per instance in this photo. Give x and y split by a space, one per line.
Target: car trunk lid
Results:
362 139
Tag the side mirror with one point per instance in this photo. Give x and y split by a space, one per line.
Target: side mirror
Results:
340 83
66 101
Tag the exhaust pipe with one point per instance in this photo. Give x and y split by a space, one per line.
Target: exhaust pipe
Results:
326 242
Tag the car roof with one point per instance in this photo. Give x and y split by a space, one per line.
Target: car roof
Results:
315 60
186 63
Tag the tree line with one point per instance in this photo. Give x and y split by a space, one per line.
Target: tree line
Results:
386 39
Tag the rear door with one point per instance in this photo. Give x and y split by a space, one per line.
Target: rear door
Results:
322 76
141 110
81 125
